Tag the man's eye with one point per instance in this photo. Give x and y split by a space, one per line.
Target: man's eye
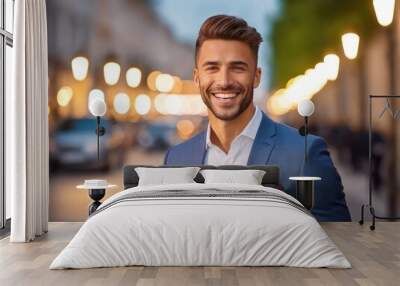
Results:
239 68
211 68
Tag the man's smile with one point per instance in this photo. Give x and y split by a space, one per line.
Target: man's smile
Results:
225 98
225 95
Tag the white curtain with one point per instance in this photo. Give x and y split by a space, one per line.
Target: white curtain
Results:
27 124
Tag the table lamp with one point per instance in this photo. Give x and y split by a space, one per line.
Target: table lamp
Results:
305 184
98 108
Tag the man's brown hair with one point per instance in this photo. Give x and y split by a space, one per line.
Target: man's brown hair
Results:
228 28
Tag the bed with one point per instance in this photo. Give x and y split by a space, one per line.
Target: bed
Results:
201 224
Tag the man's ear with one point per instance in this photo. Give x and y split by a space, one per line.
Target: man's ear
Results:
196 77
257 78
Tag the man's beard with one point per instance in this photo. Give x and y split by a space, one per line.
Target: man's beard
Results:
246 100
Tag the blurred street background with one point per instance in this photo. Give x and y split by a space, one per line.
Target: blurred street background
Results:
139 55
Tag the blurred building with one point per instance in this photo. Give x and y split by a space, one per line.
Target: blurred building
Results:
127 32
126 29
342 105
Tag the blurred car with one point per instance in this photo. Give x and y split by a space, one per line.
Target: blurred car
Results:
157 136
75 144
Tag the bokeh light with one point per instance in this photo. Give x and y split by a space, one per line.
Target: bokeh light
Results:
350 42
64 95
151 80
164 82
112 71
80 67
142 104
133 77
121 103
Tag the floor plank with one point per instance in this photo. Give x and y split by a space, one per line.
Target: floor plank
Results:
374 255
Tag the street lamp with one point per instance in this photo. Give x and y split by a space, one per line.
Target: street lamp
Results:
80 66
112 71
384 11
350 42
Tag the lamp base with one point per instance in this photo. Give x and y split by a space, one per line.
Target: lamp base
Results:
96 195
305 190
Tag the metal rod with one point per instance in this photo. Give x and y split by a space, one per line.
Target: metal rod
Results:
98 136
384 96
393 167
305 140
370 150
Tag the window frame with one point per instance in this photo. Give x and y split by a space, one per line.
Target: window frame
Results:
6 39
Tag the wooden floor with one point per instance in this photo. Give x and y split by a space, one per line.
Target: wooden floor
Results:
375 257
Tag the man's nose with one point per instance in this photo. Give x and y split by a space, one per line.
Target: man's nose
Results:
223 77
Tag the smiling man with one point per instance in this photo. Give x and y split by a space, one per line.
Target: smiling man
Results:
239 133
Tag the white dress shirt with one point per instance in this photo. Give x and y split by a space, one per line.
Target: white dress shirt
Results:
240 148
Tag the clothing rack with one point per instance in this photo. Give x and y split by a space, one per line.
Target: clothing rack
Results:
370 203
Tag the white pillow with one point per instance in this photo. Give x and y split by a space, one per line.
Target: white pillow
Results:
249 177
164 176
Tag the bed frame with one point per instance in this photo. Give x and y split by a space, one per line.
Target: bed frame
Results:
270 179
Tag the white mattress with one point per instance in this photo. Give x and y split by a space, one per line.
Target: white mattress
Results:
185 231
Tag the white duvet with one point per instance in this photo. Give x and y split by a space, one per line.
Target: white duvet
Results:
200 231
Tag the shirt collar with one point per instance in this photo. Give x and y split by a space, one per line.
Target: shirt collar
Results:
249 131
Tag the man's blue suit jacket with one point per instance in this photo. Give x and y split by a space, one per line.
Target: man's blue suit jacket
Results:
282 145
